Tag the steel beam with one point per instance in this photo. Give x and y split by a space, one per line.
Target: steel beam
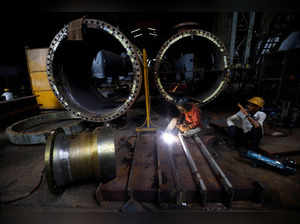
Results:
249 37
233 36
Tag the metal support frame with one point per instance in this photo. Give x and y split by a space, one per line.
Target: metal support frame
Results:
233 36
249 37
147 96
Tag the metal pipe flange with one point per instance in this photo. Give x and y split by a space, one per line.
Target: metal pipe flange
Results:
220 64
73 90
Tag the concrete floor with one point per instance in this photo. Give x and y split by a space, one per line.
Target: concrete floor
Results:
21 167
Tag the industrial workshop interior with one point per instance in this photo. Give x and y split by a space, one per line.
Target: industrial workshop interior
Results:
171 113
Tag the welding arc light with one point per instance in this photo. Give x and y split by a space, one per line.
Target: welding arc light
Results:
168 138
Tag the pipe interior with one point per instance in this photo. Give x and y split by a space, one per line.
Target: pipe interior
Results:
192 67
74 77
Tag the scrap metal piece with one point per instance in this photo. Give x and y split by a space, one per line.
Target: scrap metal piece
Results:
34 130
83 102
216 169
196 175
87 156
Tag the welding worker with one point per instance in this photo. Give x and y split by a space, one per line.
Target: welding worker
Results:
246 126
189 118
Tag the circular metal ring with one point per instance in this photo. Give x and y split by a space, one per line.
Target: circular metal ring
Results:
60 90
34 130
222 82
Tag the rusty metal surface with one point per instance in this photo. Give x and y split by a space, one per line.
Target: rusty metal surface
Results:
162 174
115 190
143 181
167 186
190 191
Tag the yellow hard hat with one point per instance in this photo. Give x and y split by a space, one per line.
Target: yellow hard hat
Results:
257 101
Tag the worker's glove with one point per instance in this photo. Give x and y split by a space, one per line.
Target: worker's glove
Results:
183 128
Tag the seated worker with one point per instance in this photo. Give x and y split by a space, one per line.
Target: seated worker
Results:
246 126
189 118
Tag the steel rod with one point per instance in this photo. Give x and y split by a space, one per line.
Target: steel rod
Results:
215 167
196 175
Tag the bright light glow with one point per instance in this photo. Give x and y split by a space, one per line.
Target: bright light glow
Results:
168 138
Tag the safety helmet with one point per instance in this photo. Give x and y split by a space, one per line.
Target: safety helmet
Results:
257 101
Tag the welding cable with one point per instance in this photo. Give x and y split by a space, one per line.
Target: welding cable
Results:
27 194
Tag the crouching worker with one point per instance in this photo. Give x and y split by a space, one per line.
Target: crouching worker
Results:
246 126
189 120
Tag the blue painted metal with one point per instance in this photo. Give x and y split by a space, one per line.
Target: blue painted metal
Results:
288 167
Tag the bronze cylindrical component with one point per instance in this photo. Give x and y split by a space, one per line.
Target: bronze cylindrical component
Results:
87 156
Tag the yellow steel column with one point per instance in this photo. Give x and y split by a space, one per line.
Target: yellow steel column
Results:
146 83
147 95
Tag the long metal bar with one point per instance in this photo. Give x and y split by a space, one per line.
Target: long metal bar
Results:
216 169
147 97
146 87
195 173
249 37
233 36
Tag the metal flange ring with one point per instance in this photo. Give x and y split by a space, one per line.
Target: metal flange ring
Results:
222 66
35 130
60 89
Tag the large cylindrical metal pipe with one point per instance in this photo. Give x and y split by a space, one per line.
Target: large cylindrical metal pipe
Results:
92 91
192 63
87 156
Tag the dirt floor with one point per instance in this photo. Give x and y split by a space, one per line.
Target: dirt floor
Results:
21 169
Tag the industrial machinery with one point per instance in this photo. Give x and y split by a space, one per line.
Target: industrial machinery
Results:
87 156
96 72
192 63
